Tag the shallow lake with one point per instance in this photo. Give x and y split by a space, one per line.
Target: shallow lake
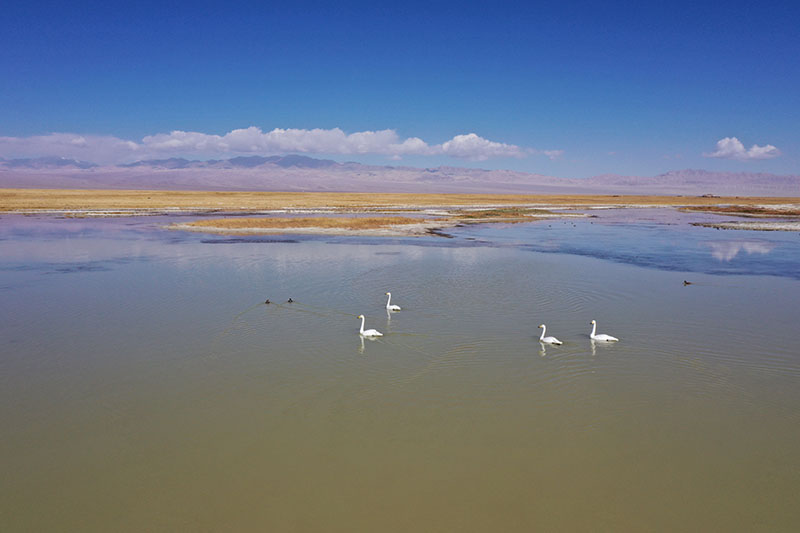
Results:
145 386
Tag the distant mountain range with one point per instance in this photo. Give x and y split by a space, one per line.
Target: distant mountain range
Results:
302 173
44 163
284 161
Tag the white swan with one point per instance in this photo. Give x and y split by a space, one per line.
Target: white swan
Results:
389 305
369 332
602 336
548 340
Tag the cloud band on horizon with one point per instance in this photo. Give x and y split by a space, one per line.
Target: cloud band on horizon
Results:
252 140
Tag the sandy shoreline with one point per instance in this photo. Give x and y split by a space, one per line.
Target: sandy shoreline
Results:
405 230
753 226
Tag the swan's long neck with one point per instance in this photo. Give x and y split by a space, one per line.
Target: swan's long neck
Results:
362 325
544 328
389 301
594 328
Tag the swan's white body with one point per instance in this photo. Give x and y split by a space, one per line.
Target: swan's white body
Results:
548 340
369 332
602 336
389 305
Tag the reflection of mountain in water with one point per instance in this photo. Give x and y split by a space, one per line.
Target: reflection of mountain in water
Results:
727 250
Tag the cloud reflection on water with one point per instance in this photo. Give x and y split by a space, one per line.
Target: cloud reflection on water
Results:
728 250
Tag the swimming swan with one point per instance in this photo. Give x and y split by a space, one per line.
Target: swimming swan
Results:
602 336
389 305
369 332
548 340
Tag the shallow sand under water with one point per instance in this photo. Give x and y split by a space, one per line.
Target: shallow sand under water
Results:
780 225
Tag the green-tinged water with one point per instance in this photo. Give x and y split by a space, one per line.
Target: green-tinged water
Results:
145 387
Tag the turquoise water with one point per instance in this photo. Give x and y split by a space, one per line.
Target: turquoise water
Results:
145 386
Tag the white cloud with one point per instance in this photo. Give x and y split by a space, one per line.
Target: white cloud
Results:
333 141
553 154
94 148
182 141
476 148
732 148
252 140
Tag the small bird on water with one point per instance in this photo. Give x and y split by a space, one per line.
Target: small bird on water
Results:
289 301
687 282
267 302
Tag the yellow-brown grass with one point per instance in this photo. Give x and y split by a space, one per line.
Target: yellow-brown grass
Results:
354 223
506 214
77 199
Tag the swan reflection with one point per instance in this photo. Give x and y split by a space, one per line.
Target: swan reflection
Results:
370 339
600 345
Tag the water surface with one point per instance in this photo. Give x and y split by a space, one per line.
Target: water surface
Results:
145 386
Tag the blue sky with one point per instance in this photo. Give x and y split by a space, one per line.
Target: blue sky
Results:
569 90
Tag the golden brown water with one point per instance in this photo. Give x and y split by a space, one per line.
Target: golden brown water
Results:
144 387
